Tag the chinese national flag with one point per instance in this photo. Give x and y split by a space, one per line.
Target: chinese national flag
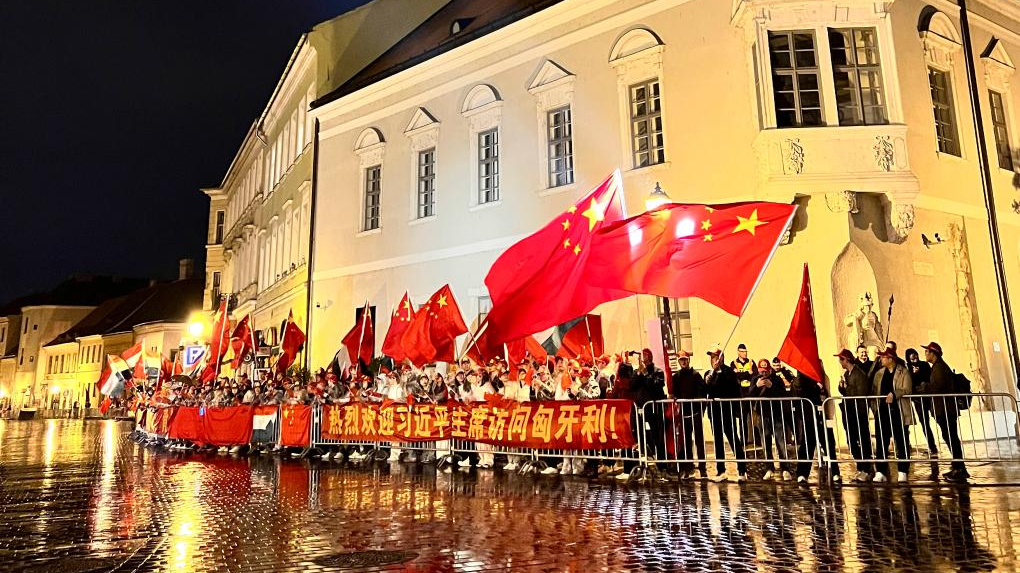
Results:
290 345
219 341
584 341
800 349
430 336
715 253
242 341
401 319
539 281
522 348
360 340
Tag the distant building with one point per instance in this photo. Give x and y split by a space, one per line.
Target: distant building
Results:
260 214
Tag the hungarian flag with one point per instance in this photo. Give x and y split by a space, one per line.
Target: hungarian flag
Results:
292 342
539 281
360 340
715 253
242 341
584 341
431 335
399 321
114 376
800 349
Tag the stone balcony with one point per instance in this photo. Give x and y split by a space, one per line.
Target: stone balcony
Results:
838 162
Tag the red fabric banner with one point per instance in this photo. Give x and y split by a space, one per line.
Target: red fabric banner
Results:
587 425
229 426
296 426
186 424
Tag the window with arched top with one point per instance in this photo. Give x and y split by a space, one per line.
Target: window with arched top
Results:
637 57
370 147
483 108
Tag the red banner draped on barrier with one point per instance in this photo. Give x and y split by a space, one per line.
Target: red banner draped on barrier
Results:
296 426
229 426
589 425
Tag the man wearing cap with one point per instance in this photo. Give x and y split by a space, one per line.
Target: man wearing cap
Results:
853 384
721 383
689 385
945 408
893 412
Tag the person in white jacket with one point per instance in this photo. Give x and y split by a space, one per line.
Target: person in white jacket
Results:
395 391
518 390
478 393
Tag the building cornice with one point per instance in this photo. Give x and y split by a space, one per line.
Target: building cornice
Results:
501 41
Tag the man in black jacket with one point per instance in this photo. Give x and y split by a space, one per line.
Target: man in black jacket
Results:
721 383
853 384
945 409
689 385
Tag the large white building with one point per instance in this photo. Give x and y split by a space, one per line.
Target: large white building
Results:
491 117
260 214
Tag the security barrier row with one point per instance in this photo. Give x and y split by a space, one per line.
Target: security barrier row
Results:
760 436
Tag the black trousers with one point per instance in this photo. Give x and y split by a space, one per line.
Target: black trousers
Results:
694 431
951 434
727 423
889 427
923 408
858 432
811 434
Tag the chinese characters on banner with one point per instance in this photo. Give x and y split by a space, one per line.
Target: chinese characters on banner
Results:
589 425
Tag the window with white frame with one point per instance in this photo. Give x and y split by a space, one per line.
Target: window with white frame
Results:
1000 130
561 147
857 75
648 144
483 109
373 196
796 82
488 166
426 183
942 108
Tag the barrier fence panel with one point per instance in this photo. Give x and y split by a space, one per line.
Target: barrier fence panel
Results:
763 434
265 426
954 428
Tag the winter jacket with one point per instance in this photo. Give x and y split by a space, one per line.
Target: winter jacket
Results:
941 382
901 387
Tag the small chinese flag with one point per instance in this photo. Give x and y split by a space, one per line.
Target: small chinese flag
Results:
800 349
292 342
360 340
399 321
430 336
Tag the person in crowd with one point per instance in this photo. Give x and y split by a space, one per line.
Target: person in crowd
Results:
746 372
863 359
689 386
721 383
920 374
652 382
892 412
627 388
853 386
775 415
945 408
518 390
811 428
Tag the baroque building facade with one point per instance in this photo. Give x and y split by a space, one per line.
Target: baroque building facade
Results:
480 126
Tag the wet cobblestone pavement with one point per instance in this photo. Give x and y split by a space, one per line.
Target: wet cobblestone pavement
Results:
80 496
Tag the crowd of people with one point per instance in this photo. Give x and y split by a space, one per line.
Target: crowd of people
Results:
672 430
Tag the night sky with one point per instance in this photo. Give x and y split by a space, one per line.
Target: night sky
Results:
115 114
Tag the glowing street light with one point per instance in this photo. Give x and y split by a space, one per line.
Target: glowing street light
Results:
196 328
54 389
657 198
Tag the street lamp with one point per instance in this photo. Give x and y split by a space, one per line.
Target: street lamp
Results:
657 198
195 328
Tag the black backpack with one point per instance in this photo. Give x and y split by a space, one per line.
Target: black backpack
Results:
961 385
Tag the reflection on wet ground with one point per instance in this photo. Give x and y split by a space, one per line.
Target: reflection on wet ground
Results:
80 496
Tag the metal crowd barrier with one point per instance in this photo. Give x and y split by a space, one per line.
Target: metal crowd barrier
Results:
762 435
270 436
943 428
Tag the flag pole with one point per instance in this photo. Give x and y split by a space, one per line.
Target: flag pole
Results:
591 344
757 281
361 337
473 341
254 348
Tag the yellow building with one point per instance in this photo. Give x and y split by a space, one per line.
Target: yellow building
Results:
260 214
482 125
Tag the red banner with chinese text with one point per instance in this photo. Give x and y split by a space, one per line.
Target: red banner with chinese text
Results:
296 425
587 425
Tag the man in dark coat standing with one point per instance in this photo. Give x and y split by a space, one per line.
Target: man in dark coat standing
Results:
689 385
944 407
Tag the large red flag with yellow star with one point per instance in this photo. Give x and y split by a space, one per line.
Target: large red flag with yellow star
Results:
430 335
539 281
715 253
399 321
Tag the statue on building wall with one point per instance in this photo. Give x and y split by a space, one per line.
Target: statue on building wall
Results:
865 328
